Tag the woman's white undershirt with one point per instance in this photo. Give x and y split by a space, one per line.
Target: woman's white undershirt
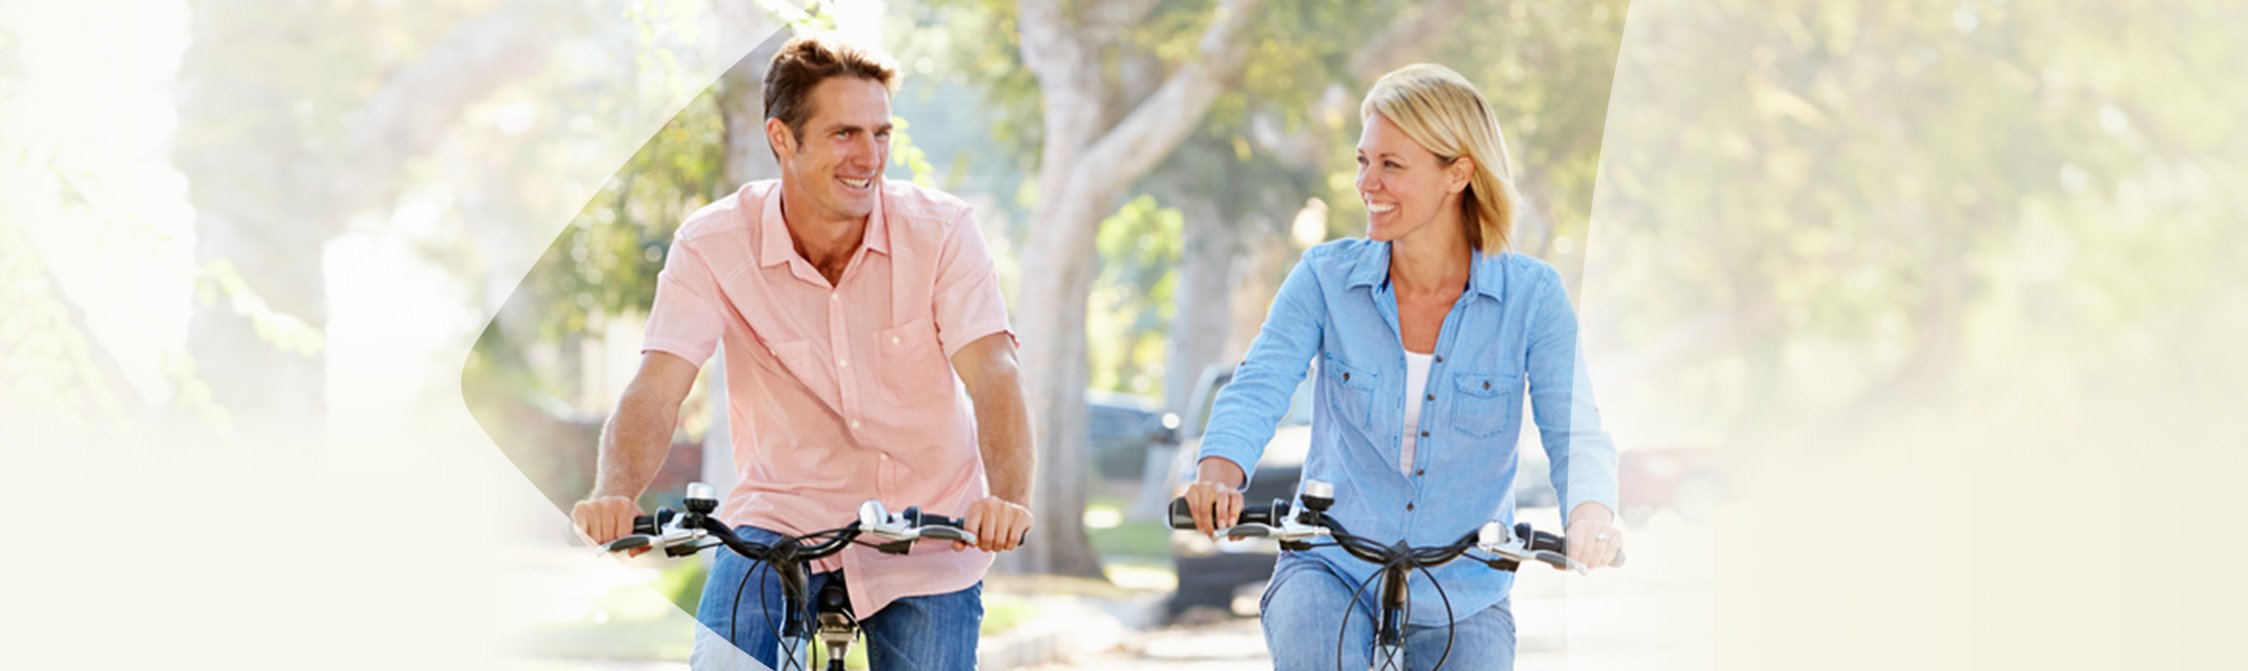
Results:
1416 379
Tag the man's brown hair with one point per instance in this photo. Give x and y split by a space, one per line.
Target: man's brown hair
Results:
807 60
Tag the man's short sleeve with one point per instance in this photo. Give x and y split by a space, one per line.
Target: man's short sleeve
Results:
688 316
968 304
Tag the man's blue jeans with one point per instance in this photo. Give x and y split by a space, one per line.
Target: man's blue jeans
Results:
1303 614
922 632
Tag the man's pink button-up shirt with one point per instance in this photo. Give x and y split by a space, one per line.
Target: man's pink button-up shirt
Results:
839 394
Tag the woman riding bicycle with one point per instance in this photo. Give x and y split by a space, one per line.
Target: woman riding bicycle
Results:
1425 333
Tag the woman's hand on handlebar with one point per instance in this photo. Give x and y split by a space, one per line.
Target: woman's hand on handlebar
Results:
1215 497
1593 538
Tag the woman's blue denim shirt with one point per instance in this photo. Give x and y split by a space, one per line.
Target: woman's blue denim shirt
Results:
1512 326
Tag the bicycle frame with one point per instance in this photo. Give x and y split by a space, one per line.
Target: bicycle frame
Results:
680 534
1389 639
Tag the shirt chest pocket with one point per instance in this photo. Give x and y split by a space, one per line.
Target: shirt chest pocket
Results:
913 368
1350 391
1484 404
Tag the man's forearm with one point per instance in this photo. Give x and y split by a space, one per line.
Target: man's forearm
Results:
633 446
1003 437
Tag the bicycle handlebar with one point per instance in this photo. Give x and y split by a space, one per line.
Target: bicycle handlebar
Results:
1295 528
680 534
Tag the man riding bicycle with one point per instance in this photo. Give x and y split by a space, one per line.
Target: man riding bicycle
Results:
853 311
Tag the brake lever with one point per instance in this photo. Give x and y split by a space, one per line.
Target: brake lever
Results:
1495 539
624 543
899 535
946 533
1562 561
669 539
1250 530
1289 530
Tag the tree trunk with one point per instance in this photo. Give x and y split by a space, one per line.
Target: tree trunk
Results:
1085 164
1202 316
1054 375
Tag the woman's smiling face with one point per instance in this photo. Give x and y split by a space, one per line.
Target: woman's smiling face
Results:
1403 185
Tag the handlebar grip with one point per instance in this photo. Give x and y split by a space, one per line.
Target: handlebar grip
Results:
1555 559
1181 516
651 525
916 517
1541 540
1268 514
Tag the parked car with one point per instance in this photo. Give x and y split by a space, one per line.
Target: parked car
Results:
1119 429
1224 573
1686 481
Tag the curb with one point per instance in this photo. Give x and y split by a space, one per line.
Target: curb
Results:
1071 629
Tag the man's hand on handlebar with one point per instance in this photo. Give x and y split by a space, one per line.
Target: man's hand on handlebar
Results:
1215 497
606 518
999 525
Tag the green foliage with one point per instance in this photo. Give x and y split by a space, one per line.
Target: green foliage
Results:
1141 539
220 281
682 583
1004 613
1131 302
1903 185
905 154
980 42
605 263
1547 68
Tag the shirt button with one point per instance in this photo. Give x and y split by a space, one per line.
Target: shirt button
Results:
854 424
1408 507
1432 397
1440 358
1424 434
893 340
1417 471
885 457
835 297
846 363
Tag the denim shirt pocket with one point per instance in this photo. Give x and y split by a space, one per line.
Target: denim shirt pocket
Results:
1482 403
1350 390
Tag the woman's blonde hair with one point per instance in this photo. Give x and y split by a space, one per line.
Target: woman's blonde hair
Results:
1439 109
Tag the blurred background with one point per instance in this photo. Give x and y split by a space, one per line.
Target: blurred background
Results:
1847 271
